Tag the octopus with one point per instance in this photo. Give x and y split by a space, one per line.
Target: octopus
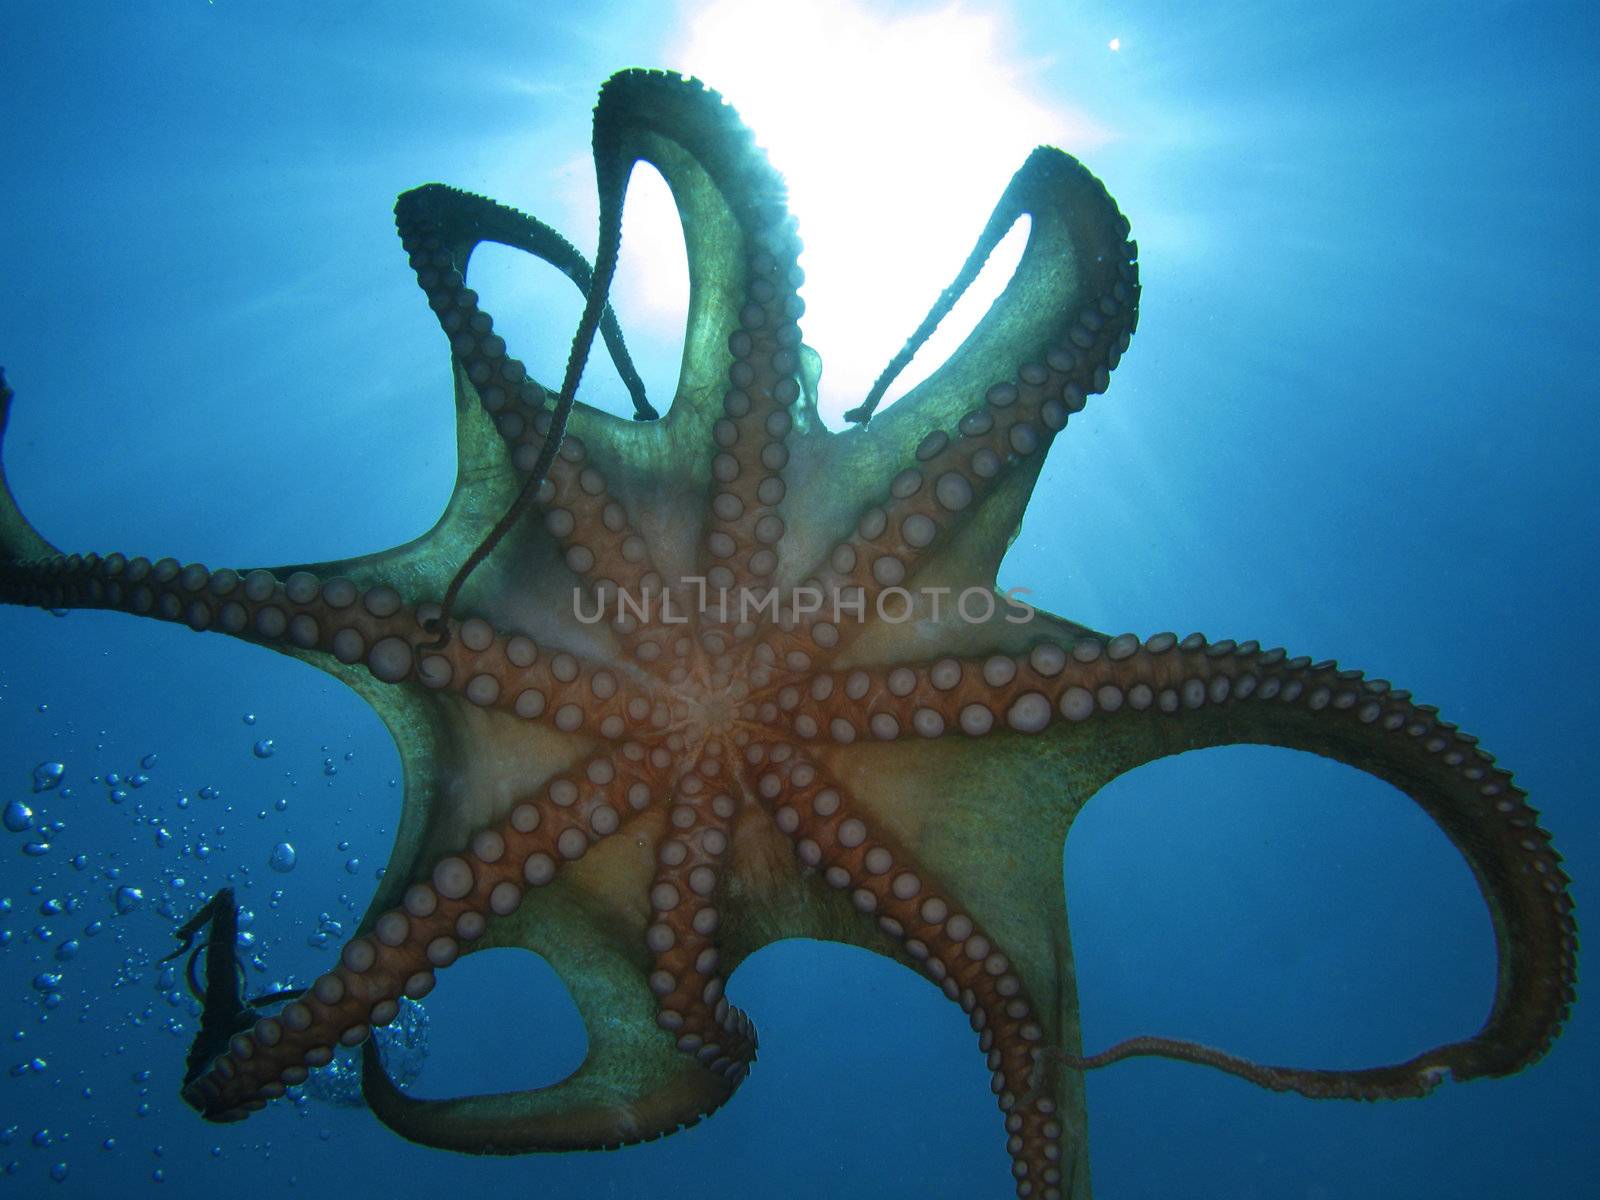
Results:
672 689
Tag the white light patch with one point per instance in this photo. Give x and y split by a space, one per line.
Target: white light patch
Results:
897 134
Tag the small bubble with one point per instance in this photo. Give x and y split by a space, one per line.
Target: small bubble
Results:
47 775
352 866
148 761
18 816
249 718
282 858
128 899
264 748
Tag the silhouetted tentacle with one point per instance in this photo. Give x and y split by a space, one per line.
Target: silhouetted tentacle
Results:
740 400
835 833
954 449
441 227
1163 696
407 944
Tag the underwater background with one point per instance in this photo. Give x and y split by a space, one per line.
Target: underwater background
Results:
1358 420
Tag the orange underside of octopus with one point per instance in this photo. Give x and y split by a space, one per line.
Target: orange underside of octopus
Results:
725 676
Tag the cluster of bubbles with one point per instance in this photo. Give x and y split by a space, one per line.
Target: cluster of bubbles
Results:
133 905
402 1048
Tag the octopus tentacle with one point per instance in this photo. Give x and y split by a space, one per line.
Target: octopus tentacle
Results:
1063 322
686 979
511 672
831 832
630 1089
404 946
1229 693
740 389
1074 277
440 227
316 618
297 614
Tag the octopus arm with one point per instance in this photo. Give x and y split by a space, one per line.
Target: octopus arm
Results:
361 619
442 226
595 904
632 1086
1093 707
950 466
737 232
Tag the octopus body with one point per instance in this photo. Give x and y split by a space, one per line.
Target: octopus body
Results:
669 690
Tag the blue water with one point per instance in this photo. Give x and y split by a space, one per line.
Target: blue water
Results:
1357 420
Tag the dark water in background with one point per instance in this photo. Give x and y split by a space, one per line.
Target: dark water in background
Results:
1357 421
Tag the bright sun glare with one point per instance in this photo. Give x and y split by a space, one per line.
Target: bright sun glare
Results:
897 134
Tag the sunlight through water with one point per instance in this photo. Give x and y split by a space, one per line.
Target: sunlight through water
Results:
867 113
